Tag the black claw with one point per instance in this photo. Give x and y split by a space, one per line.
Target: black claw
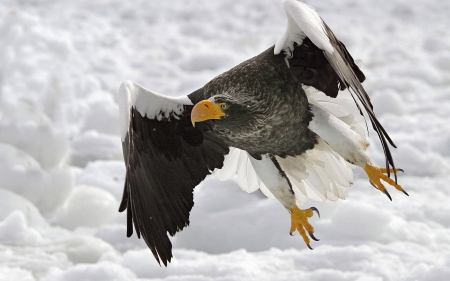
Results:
373 185
387 194
315 210
309 246
311 234
406 193
400 170
291 233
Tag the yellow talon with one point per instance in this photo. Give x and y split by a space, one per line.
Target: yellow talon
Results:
376 174
299 222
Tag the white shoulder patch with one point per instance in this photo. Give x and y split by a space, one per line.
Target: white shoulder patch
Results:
303 21
338 122
343 107
148 103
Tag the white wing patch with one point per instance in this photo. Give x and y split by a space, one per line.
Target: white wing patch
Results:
343 107
338 122
148 103
303 21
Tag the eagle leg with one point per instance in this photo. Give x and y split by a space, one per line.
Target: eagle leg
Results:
299 222
376 174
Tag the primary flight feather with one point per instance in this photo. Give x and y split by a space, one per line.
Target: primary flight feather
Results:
278 121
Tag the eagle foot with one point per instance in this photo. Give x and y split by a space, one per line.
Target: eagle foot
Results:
376 174
299 222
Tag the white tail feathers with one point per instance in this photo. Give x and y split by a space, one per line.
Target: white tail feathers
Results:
343 107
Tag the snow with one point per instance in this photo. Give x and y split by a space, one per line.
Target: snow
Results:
61 169
87 206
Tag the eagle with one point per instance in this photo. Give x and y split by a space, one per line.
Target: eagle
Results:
287 122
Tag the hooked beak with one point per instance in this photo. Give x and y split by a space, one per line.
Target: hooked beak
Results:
206 110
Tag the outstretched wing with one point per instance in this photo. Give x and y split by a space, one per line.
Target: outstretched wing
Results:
308 31
165 159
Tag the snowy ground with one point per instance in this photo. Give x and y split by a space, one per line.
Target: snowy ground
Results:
61 169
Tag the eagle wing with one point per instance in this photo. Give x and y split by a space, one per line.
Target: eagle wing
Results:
307 31
165 159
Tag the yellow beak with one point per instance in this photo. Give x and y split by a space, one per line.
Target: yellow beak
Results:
206 110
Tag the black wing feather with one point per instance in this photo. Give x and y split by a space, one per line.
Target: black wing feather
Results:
314 67
342 65
165 159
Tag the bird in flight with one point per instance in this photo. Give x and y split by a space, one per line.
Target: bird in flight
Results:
289 121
